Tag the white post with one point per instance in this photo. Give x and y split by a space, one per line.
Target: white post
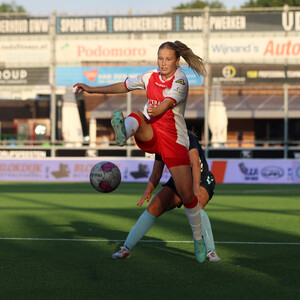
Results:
206 79
52 82
129 110
93 137
286 119
93 132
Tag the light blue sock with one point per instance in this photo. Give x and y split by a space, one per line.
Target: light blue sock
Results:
140 228
207 232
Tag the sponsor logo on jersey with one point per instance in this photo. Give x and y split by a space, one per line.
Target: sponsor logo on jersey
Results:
153 102
161 85
181 81
180 90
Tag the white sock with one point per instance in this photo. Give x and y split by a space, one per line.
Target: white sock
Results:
193 215
131 126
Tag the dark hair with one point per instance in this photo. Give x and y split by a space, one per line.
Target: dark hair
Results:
194 61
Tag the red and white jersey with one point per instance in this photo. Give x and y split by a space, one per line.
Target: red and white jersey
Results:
170 124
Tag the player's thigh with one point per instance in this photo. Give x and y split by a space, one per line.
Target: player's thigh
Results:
182 177
163 201
145 130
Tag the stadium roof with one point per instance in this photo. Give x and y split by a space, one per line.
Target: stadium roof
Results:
237 106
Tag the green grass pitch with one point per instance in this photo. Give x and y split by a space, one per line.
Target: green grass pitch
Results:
56 242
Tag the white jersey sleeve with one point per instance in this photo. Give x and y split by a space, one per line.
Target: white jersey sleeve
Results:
179 89
139 82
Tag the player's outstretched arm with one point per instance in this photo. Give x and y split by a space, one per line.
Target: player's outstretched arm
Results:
154 179
115 88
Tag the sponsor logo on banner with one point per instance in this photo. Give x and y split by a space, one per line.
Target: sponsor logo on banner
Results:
291 20
298 172
284 48
142 171
110 74
296 169
82 25
63 171
254 50
20 170
22 154
20 51
91 74
250 174
290 175
272 172
24 25
24 76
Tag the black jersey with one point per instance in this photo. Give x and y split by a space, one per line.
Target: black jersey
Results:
195 144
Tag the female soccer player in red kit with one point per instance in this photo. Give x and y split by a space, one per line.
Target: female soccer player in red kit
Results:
162 129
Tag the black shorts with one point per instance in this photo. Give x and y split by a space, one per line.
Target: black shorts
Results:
207 181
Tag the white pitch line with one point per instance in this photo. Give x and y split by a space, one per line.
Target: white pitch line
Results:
270 190
141 241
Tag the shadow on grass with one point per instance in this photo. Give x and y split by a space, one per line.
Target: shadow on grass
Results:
60 269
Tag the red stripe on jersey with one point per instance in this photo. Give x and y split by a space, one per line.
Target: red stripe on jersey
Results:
156 88
126 85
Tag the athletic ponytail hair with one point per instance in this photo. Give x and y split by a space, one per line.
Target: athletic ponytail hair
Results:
194 61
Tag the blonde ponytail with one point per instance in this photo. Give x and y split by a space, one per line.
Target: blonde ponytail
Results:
194 61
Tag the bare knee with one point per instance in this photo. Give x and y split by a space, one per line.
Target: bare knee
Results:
186 195
139 113
155 211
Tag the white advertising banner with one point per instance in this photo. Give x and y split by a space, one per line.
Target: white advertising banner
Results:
79 48
261 171
73 170
265 171
73 50
255 49
296 168
31 50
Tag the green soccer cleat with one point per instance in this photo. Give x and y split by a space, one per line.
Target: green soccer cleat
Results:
117 123
200 251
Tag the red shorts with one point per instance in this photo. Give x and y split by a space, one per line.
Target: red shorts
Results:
172 153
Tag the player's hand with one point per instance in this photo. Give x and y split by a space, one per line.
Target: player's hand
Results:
147 195
80 88
151 111
197 192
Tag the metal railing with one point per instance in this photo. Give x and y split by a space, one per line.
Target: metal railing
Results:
71 149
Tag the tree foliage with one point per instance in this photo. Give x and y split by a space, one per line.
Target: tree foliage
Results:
270 3
200 4
11 7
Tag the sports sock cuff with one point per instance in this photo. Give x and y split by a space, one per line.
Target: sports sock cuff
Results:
137 117
149 215
191 204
